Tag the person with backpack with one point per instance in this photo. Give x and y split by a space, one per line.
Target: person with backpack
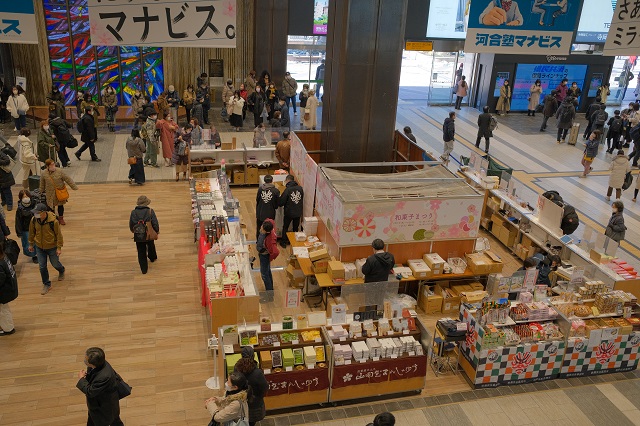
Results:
23 218
484 128
267 249
448 135
615 228
45 238
60 129
88 135
599 119
614 133
53 185
28 158
8 293
550 107
628 114
595 106
590 152
151 135
292 199
619 168
141 219
565 116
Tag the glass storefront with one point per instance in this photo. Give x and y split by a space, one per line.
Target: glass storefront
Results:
304 55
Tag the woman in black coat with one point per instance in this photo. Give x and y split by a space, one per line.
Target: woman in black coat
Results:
6 181
257 382
8 293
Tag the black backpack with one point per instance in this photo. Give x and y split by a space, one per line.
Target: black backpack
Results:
628 180
10 151
565 115
570 220
601 117
140 231
616 125
12 250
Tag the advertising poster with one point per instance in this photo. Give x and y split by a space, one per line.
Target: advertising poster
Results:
320 15
549 74
447 19
596 81
538 27
197 23
500 78
622 38
18 22
595 21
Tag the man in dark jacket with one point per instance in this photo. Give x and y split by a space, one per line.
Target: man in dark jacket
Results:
8 293
550 108
99 384
88 135
292 201
203 97
142 213
379 265
448 134
267 200
565 116
6 181
148 109
595 106
484 130
248 366
60 129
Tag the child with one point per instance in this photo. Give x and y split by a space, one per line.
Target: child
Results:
615 131
303 96
590 152
267 251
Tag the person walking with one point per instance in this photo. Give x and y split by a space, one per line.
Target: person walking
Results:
173 100
27 157
448 136
311 111
320 77
137 107
462 89
203 98
135 151
619 168
56 102
150 136
45 238
237 108
188 98
143 216
227 95
636 189
267 249
18 106
8 293
63 137
167 136
289 90
615 228
99 383
292 199
22 221
378 266
562 90
614 133
590 114
245 97
257 104
250 82
549 109
504 101
88 135
599 119
181 152
565 116
248 366
266 202
46 142
110 102
303 96
6 181
534 97
484 128
629 119
53 185
273 96
233 407
590 151
88 102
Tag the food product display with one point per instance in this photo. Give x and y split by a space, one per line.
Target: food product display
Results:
288 337
310 335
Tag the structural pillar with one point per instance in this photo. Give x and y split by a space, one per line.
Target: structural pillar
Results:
365 39
270 49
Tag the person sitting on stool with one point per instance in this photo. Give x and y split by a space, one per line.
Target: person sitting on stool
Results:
379 265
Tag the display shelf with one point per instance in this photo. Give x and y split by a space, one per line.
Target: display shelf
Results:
240 160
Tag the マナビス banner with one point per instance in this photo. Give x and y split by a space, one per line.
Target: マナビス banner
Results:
532 27
194 23
18 24
623 34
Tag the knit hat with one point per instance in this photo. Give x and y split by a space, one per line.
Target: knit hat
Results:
143 200
247 352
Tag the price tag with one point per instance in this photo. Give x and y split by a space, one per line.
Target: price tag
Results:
375 358
358 335
412 354
394 356
276 344
267 371
362 361
311 366
461 326
318 340
374 334
390 333
343 339
347 362
405 332
295 342
288 368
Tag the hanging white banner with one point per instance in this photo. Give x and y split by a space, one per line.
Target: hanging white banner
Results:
18 23
623 38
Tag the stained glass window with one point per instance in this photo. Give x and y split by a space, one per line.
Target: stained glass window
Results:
77 64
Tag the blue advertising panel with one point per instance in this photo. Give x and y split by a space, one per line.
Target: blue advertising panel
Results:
549 75
531 27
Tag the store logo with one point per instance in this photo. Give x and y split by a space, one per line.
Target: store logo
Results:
604 352
635 340
493 356
552 349
521 361
579 345
552 58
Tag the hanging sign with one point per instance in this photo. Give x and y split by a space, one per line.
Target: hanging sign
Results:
196 23
537 27
623 33
18 23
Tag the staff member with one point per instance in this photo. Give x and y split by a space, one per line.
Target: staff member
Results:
379 265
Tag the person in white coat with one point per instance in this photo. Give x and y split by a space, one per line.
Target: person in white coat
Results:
619 168
27 157
18 106
310 111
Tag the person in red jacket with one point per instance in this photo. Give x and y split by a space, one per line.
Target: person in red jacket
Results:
267 251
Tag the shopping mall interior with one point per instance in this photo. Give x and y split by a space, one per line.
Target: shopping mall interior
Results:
496 310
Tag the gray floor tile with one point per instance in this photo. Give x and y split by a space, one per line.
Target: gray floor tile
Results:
575 381
629 375
405 404
445 416
392 406
552 384
352 412
480 393
266 422
596 406
282 421
563 383
586 380
505 390
311 418
517 389
457 397
418 403
430 401
378 408
296 419
493 392
324 416
541 386
469 396
528 387
338 414
365 410
443 399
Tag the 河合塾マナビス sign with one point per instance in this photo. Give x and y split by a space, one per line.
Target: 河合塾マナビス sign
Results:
18 22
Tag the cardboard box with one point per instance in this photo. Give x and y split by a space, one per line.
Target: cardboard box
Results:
335 269
252 176
434 262
507 235
265 360
295 276
473 296
320 266
318 254
476 286
419 268
227 145
484 263
526 241
430 304
450 302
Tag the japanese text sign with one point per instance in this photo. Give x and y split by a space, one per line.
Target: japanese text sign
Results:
537 27
18 22
193 23
379 371
623 33
297 381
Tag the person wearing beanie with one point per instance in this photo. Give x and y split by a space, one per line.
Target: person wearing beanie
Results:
45 238
143 215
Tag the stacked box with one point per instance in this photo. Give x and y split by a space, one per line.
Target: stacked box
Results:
300 237
318 254
310 225
320 266
266 360
287 357
320 355
276 358
355 329
408 344
383 327
298 356
434 262
360 351
336 332
342 353
419 269
336 270
309 355
375 350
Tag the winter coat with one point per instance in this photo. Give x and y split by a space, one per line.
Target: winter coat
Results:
604 93
292 200
448 129
96 112
44 235
534 97
6 178
283 152
144 213
561 92
591 148
197 112
238 106
100 387
17 103
550 106
462 89
504 101
303 96
259 388
267 200
147 110
60 129
109 99
312 106
46 145
619 168
615 133
163 105
615 228
289 87
167 136
188 97
257 102
272 95
227 93
88 129
57 100
267 243
175 99
49 190
23 216
137 106
27 156
574 92
9 283
203 96
595 114
229 408
484 121
196 135
638 181
566 122
285 120
135 147
378 267
250 84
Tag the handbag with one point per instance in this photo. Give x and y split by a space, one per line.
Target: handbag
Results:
62 194
122 387
132 160
151 233
307 113
72 142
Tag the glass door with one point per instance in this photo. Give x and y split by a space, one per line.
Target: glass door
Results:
442 78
